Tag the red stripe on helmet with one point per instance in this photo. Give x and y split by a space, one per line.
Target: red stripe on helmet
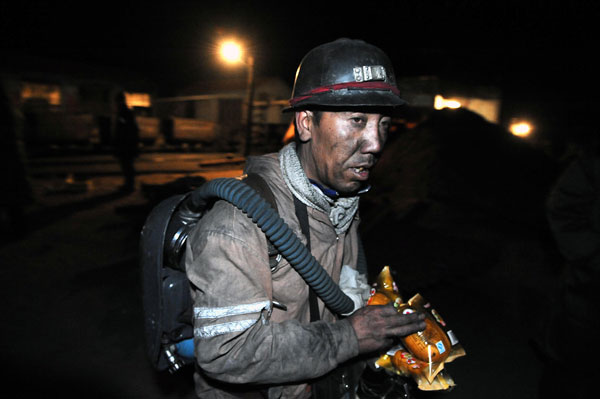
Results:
348 85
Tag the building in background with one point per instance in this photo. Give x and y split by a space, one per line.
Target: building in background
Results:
72 106
429 92
215 112
67 105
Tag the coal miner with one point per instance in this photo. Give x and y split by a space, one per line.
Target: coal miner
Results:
259 331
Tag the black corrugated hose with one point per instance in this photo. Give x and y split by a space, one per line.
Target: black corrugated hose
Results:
277 231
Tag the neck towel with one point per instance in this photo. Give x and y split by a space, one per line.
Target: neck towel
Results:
340 210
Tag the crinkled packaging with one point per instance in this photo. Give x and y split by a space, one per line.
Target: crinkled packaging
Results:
421 355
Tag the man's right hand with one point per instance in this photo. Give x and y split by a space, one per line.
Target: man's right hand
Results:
376 326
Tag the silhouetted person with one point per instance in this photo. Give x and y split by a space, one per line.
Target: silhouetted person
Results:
126 137
16 187
574 216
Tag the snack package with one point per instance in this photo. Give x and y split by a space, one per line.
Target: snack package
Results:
421 355
401 362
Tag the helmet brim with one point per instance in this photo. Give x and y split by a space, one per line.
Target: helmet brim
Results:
349 98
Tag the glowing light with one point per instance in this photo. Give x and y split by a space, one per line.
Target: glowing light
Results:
231 51
520 129
50 93
138 99
440 103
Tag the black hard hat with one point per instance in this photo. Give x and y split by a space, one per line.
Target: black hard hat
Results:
345 73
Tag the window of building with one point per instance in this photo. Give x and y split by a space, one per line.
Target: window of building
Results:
40 91
138 100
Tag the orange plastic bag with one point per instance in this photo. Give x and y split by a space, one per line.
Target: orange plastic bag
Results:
421 355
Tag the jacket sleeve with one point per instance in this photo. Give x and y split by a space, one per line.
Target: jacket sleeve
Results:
235 341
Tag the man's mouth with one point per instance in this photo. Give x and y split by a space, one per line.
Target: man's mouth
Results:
363 168
362 172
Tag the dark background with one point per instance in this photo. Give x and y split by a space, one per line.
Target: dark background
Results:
458 216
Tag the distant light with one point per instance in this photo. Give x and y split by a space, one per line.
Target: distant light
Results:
520 129
138 99
40 91
231 51
441 103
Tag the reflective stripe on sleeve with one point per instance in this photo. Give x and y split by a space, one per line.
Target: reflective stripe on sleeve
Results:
213 330
224 311
222 328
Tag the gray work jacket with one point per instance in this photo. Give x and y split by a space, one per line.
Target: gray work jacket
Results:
239 336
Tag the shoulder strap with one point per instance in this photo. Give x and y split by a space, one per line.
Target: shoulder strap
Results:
302 215
258 183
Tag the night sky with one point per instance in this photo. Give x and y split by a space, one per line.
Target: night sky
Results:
539 53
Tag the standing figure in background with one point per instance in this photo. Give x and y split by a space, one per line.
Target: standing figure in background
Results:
17 189
126 137
574 217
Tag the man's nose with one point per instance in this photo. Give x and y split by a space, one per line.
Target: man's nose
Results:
372 140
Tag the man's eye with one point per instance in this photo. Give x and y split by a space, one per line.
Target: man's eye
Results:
358 120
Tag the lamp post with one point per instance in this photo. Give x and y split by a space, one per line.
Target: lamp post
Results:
249 101
233 53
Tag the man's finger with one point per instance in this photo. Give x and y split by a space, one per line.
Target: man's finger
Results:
402 319
407 329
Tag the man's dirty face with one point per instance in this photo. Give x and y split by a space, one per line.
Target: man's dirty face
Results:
343 147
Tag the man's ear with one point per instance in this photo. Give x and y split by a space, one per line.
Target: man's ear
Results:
304 124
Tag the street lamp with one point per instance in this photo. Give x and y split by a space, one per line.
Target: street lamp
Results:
520 128
232 52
